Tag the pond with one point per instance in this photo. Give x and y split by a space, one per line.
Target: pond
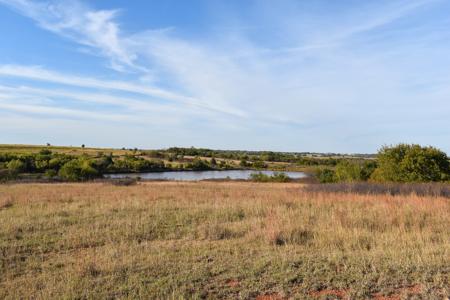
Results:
201 175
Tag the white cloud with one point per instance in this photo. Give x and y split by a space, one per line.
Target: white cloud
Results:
74 20
318 76
41 74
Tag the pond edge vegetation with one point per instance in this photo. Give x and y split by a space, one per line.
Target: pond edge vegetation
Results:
402 163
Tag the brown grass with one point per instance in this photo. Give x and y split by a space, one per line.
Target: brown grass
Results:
219 240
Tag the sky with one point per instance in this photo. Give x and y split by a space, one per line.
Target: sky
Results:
289 75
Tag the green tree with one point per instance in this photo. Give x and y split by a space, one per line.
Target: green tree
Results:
411 163
70 171
78 169
243 163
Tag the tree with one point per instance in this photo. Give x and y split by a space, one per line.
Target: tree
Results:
198 165
243 163
78 169
411 163
70 171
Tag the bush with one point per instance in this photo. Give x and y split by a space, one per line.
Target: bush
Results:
347 171
79 169
6 174
411 163
276 177
351 171
259 164
199 165
16 166
325 175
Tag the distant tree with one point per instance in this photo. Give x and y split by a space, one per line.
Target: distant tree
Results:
198 165
259 164
243 163
82 146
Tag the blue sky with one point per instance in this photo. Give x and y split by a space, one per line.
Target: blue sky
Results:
324 75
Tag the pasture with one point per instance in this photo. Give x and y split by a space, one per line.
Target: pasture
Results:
219 240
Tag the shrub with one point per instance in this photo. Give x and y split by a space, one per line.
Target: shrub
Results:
199 165
259 164
79 169
276 177
6 174
16 166
325 175
411 163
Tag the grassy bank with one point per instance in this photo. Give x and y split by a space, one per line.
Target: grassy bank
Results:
219 240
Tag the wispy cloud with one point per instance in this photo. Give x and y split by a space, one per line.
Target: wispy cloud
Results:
76 21
41 74
289 75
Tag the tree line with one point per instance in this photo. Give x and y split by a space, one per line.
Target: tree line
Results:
84 167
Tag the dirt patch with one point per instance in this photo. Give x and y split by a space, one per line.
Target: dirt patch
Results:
399 293
233 283
330 292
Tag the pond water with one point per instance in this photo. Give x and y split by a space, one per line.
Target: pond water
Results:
202 175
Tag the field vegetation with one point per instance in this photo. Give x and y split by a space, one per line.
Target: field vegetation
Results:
401 163
157 240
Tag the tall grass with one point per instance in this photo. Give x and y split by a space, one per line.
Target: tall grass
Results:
419 189
219 240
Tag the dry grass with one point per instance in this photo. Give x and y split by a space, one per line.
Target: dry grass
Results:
219 240
26 149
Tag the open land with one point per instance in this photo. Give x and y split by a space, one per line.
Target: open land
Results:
220 240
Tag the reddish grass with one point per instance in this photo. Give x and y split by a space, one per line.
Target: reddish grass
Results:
330 292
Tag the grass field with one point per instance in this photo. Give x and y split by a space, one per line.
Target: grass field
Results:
219 240
25 149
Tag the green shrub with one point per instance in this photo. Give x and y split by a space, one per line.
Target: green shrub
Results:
347 171
79 169
276 177
199 165
6 175
411 163
325 175
16 166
